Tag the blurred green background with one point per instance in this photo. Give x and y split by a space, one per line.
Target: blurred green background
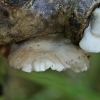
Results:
50 85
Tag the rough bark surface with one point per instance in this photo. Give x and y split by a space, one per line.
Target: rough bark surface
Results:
30 18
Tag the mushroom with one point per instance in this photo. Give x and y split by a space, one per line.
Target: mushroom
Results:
49 51
91 38
46 33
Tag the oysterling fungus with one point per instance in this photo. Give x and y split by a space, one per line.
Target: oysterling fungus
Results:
49 51
47 34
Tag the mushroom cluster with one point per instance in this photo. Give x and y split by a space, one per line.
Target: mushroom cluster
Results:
49 33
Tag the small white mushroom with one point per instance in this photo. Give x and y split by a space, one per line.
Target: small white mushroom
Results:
49 51
91 39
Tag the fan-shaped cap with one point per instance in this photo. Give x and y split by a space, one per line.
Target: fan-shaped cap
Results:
49 51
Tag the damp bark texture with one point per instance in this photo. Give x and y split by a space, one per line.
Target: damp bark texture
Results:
30 18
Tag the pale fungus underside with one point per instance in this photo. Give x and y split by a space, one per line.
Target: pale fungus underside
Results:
50 51
47 33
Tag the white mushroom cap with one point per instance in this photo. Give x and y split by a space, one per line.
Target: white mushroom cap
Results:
91 39
50 51
90 42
